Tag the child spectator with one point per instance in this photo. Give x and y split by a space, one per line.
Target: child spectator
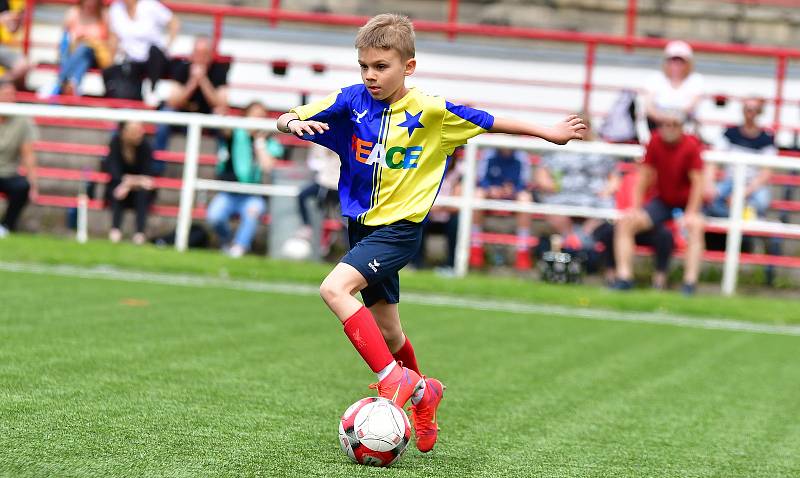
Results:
324 188
673 167
84 44
577 179
10 21
199 87
748 138
138 28
246 158
17 134
503 173
129 163
444 219
676 87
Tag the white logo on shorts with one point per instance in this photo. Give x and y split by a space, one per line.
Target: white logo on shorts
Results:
374 265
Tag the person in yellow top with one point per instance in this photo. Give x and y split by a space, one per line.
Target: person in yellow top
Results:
394 143
15 65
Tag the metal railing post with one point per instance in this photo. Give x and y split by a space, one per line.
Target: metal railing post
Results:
780 79
452 19
188 187
465 209
630 25
733 244
27 24
591 50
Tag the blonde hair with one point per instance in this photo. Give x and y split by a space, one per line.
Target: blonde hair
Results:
388 31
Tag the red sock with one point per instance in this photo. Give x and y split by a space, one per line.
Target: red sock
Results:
406 355
363 332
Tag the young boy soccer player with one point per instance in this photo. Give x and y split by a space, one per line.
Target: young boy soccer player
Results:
394 143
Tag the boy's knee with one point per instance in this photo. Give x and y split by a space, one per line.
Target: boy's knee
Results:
329 291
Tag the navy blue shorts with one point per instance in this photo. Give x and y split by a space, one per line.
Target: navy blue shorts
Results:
378 253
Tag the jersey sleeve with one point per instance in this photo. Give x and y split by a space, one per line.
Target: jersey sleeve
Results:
460 123
331 108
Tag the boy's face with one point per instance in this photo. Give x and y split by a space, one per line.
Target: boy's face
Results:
383 71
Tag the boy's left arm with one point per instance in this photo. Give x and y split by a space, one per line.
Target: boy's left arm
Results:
571 127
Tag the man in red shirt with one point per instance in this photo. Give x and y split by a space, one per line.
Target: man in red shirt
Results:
673 168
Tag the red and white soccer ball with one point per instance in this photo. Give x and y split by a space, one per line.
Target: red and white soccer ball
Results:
374 431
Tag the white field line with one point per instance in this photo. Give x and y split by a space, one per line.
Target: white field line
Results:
410 297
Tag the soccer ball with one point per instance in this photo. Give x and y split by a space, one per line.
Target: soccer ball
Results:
374 431
296 249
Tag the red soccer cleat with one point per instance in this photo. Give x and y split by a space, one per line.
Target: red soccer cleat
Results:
399 385
523 262
423 415
476 257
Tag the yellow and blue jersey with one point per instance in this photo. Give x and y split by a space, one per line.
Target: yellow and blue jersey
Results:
393 156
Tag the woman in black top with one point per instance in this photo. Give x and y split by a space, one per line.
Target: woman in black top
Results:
129 163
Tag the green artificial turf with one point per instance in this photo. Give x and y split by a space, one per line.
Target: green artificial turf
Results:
111 378
51 250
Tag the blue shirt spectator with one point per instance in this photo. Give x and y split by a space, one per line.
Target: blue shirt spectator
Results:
505 169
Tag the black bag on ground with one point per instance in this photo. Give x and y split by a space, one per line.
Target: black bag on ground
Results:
198 238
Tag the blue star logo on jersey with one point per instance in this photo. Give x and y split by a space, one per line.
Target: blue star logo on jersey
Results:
411 122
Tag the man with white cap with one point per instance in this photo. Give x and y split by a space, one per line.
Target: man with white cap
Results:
676 87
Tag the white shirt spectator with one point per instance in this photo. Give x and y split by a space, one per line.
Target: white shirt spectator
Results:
667 97
137 34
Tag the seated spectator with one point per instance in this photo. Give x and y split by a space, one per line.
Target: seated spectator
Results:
443 219
324 188
243 157
138 35
17 134
199 87
84 44
674 169
676 87
748 138
503 174
577 179
129 163
15 64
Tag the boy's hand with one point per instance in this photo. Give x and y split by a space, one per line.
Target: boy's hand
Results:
571 127
300 128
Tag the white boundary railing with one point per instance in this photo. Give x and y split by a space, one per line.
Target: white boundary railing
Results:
466 203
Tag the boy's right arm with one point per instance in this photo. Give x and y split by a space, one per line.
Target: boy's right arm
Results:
291 123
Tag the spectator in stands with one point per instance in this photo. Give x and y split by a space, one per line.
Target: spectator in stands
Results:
129 163
748 138
503 174
325 163
199 87
243 157
17 134
674 169
10 20
143 32
577 179
676 87
444 219
84 44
